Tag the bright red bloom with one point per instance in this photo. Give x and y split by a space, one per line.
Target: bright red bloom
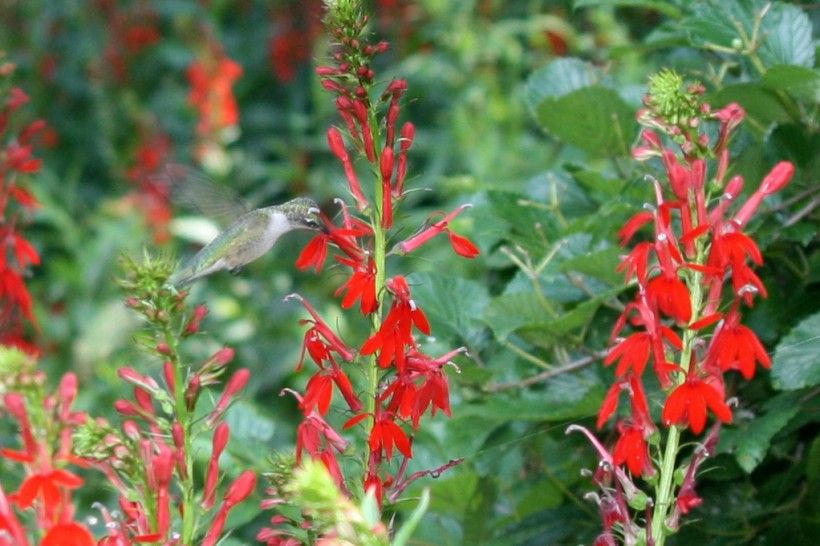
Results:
314 254
671 296
395 333
460 244
212 82
737 347
688 404
47 487
68 534
386 434
631 449
360 286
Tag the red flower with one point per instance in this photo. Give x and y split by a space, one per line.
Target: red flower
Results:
395 332
631 449
360 286
386 434
47 487
670 295
314 254
460 244
689 402
68 534
736 347
212 93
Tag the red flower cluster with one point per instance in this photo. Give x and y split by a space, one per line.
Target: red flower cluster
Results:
48 485
681 273
150 458
212 79
17 254
403 384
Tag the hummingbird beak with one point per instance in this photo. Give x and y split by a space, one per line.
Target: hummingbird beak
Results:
324 229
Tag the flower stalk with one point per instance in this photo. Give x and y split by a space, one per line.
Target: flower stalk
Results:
682 319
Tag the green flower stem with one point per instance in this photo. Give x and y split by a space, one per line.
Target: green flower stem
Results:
379 258
182 414
664 492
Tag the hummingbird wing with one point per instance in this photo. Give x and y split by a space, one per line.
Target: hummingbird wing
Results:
192 189
242 242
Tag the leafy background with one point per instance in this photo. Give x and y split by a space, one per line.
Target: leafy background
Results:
525 109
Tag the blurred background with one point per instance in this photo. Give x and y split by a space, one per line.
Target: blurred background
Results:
228 88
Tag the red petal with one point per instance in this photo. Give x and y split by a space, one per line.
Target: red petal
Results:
463 246
355 420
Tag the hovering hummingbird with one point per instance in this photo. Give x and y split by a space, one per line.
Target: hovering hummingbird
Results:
251 235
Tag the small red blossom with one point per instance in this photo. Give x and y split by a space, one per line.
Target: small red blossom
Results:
688 403
386 434
68 534
632 450
737 347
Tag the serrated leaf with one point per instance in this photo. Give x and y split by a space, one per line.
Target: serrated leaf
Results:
785 30
750 441
595 119
799 82
788 37
452 304
796 362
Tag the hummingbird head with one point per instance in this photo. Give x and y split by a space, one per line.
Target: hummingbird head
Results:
304 213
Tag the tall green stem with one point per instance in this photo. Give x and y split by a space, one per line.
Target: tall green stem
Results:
183 415
379 258
664 491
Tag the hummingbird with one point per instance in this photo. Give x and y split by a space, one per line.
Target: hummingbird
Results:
250 236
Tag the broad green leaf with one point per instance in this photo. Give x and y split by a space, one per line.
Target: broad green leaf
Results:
452 304
750 441
510 312
800 82
600 264
560 78
785 30
788 37
762 105
796 362
595 119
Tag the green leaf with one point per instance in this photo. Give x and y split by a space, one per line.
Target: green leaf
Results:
406 531
595 119
799 82
788 33
452 304
660 6
750 441
600 264
566 396
785 30
762 105
510 312
560 78
796 362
